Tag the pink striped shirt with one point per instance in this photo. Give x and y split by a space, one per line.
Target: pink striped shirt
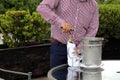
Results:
81 14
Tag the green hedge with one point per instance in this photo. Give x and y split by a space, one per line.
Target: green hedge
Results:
112 1
109 21
108 1
30 5
21 27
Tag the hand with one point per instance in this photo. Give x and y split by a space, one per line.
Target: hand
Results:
66 27
76 51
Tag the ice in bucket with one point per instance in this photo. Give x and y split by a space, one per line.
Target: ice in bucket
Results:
92 50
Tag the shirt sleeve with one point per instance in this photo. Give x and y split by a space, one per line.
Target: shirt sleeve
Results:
94 24
46 9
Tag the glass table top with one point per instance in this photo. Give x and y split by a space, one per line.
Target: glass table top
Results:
110 70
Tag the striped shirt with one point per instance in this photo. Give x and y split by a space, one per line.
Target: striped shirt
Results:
81 14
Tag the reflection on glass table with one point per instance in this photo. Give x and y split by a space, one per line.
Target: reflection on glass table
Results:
110 70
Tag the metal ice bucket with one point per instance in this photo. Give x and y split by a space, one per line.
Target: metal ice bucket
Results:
92 51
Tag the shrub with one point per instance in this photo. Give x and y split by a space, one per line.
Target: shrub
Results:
18 5
108 1
112 1
20 27
109 21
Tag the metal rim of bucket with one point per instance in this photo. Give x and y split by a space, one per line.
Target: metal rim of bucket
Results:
93 38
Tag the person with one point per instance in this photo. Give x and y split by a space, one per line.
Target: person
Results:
79 18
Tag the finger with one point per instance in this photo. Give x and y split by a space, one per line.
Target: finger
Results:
69 27
64 31
75 48
75 53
